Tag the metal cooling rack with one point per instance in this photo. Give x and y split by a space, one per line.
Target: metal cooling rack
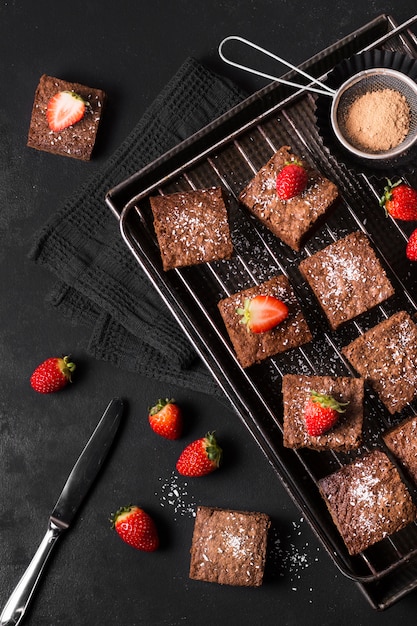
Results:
228 153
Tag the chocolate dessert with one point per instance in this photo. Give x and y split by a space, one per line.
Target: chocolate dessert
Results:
347 432
251 347
291 220
347 278
76 141
229 547
385 356
367 500
191 227
401 440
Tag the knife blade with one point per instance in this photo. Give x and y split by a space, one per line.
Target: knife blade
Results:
73 493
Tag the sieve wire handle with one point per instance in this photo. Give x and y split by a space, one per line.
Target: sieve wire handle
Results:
395 31
325 89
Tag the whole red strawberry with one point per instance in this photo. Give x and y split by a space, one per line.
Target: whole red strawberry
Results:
291 180
165 418
200 457
400 201
321 413
135 527
262 313
52 375
411 249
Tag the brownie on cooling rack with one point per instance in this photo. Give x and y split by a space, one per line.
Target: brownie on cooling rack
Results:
385 355
401 440
76 141
191 227
291 220
367 500
251 347
347 278
346 434
229 547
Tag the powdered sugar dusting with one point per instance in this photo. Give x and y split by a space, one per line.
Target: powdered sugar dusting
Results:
340 270
366 493
192 227
362 489
290 559
368 500
237 542
174 495
405 349
347 278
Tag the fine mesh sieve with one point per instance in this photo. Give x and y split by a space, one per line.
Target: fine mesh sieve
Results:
365 82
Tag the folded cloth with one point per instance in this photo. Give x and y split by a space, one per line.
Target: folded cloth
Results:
100 283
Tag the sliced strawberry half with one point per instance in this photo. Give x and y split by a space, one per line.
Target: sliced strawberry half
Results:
262 313
64 109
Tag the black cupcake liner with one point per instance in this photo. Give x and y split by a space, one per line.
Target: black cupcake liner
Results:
399 165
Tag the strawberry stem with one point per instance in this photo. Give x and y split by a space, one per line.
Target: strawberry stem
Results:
328 402
245 313
388 193
153 410
67 367
120 511
212 448
294 162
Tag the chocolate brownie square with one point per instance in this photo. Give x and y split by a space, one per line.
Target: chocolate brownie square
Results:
76 141
347 278
346 434
367 500
385 355
191 227
229 547
293 220
251 347
401 440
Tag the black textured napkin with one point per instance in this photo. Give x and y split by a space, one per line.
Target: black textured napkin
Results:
100 283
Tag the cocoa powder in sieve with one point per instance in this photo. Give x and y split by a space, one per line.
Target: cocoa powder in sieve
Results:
378 120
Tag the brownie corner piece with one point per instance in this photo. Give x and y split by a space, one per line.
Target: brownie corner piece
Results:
401 440
76 141
229 547
191 227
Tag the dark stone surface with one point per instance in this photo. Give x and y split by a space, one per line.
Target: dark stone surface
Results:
131 49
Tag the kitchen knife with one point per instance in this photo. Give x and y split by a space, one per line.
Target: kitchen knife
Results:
75 489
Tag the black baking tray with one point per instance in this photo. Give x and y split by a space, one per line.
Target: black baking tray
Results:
227 153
